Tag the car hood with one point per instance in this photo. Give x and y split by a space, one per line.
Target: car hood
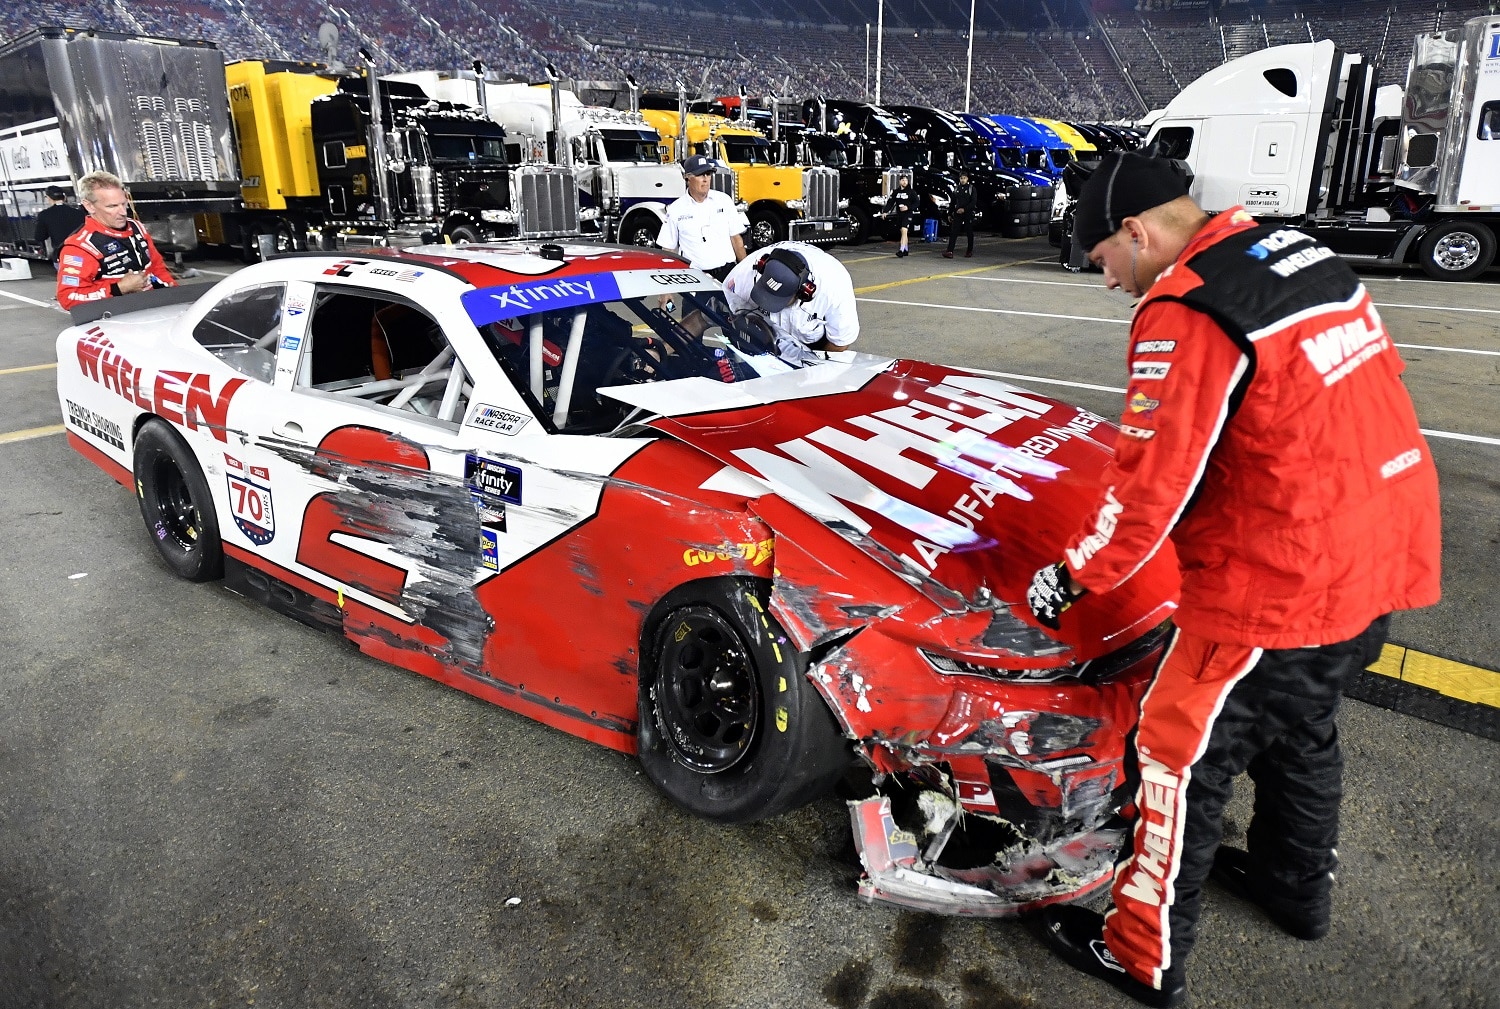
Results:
967 481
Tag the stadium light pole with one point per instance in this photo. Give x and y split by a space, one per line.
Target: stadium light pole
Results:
867 61
879 38
969 73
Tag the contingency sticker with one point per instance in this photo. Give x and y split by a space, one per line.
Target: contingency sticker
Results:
92 423
250 500
491 482
489 541
494 418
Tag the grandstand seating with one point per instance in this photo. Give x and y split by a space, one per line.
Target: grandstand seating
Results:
1040 57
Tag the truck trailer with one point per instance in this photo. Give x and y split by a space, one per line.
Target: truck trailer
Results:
1300 135
150 110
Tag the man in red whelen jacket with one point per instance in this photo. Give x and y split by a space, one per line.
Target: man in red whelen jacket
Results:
1266 432
111 254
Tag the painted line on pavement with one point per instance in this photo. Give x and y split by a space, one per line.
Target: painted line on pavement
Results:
993 311
945 276
26 368
29 433
29 301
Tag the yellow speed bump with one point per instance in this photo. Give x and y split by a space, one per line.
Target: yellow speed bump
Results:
1457 680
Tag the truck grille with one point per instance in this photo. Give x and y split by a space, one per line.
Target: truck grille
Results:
820 193
726 182
548 202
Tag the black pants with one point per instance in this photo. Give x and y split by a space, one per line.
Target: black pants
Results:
964 223
1212 712
721 272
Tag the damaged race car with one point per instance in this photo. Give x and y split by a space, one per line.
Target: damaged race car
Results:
570 481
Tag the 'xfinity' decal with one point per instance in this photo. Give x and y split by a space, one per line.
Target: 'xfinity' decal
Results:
491 304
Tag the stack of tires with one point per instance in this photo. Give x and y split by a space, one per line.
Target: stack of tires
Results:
1025 211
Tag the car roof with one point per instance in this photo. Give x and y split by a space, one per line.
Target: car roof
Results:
493 264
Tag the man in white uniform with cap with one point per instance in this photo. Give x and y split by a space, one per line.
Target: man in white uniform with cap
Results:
806 295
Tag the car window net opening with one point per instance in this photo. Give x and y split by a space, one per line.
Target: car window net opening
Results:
242 330
562 361
383 352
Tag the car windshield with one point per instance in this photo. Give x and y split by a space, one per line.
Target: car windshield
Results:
621 146
747 151
452 147
563 357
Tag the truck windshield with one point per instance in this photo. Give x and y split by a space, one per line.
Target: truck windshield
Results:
748 151
1061 155
905 155
631 147
453 147
1011 157
827 151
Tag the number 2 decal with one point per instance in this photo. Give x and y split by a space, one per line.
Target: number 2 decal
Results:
334 512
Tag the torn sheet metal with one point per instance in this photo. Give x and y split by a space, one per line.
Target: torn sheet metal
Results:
1020 879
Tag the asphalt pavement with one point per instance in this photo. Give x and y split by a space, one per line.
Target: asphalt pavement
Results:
205 804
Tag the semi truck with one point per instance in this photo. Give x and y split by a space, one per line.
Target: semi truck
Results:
150 110
319 166
614 154
1300 135
782 201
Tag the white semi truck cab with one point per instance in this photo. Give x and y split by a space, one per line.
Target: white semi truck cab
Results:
1299 134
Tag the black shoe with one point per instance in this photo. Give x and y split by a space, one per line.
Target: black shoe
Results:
1077 935
948 254
1232 870
969 254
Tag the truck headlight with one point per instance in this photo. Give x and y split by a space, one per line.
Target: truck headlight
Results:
498 216
843 204
588 214
795 204
939 201
879 201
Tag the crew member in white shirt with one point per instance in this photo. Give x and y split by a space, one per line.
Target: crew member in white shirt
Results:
806 295
704 226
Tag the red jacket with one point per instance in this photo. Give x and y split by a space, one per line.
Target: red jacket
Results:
1268 433
94 257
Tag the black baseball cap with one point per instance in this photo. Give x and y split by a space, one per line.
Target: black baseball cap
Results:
781 277
698 164
1123 185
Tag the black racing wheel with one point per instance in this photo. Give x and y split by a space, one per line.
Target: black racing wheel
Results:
176 504
729 726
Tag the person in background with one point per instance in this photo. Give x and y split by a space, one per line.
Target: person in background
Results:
961 215
57 221
703 225
903 209
111 254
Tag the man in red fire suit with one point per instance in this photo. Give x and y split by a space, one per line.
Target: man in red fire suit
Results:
1268 434
111 254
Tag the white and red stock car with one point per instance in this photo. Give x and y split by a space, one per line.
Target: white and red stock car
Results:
511 470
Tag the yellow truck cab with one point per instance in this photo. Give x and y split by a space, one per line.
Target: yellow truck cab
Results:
782 201
1083 150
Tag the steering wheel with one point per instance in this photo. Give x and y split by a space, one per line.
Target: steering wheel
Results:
756 333
631 365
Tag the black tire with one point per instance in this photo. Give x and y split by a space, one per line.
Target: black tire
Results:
766 228
860 223
176 504
640 229
1457 250
464 234
762 741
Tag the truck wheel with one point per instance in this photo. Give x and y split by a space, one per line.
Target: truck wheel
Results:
860 223
766 228
640 230
1457 250
729 726
464 234
176 504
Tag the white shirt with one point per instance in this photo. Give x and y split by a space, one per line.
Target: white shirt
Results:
830 314
700 232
